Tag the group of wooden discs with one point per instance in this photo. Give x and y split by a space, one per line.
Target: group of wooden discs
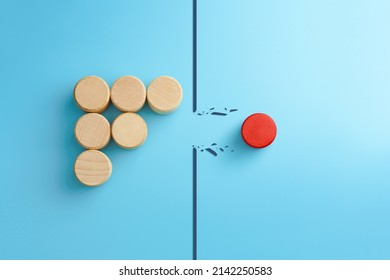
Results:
129 130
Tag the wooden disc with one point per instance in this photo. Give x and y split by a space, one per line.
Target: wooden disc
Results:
92 168
258 130
92 94
129 130
164 94
92 131
128 94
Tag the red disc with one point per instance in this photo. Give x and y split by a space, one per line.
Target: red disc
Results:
258 130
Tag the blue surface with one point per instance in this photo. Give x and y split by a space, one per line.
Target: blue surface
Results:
319 68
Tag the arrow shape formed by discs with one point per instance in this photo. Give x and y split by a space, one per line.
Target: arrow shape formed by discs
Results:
129 130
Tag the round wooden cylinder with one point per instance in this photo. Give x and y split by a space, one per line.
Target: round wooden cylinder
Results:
129 130
128 94
92 168
258 130
92 94
164 95
92 131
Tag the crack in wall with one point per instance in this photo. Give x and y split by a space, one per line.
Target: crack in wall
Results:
213 149
214 112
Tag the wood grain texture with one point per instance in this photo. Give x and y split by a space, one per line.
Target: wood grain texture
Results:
129 130
128 94
164 94
92 168
92 131
92 94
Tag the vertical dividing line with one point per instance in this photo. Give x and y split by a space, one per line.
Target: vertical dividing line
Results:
194 58
194 204
194 108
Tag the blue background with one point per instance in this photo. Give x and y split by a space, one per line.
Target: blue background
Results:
319 68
